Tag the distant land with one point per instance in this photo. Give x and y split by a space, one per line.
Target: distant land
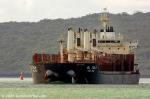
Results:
19 40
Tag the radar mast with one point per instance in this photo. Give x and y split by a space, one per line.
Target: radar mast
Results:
104 19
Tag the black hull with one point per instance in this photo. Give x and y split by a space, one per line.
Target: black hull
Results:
80 73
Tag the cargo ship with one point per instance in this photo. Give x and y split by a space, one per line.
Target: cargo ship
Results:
99 57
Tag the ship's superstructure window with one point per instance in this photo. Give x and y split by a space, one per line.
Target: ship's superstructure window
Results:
108 41
94 42
78 42
101 30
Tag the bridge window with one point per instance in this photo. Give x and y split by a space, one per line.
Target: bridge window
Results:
108 41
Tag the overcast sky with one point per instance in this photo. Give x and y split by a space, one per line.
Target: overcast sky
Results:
34 10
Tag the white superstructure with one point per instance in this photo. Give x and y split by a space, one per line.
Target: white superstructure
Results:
105 40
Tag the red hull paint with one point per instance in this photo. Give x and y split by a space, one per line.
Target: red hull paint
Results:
105 62
116 62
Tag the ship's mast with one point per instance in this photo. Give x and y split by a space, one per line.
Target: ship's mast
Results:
104 19
61 44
